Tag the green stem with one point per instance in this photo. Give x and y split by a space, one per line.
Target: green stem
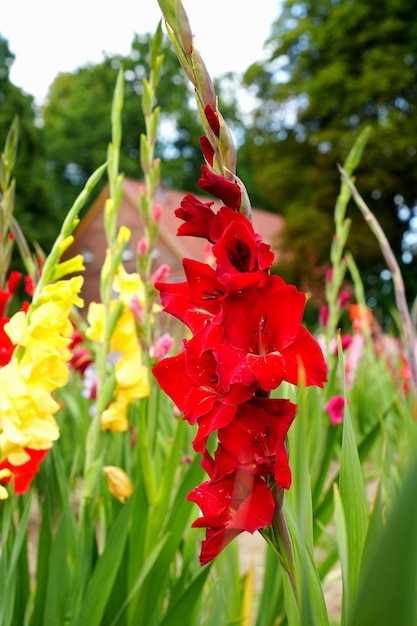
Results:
278 537
399 288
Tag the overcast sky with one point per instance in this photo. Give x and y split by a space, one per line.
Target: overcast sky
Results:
49 36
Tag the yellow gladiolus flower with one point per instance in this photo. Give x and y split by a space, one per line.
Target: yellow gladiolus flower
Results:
128 286
35 371
64 292
95 317
114 418
118 482
131 376
124 336
71 266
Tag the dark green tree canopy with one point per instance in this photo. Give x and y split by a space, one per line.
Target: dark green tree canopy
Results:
78 128
33 202
336 66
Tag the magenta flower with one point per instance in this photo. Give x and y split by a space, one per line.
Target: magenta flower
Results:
335 408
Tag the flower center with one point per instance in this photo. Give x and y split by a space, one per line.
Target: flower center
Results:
261 335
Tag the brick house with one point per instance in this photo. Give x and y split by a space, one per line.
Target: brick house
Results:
89 237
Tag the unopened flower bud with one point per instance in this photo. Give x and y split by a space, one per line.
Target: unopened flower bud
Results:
343 298
160 274
142 246
156 212
212 119
118 482
324 315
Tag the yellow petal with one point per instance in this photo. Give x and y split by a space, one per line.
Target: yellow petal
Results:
17 329
95 317
114 417
118 482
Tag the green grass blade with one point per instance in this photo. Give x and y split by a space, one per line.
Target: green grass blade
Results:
180 611
44 550
144 573
10 563
342 544
387 593
59 582
105 572
353 496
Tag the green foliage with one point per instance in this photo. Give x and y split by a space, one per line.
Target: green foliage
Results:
33 202
333 68
76 117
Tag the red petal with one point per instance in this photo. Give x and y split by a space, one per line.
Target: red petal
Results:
268 370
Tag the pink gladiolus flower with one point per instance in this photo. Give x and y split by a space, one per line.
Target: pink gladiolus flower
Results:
162 346
335 408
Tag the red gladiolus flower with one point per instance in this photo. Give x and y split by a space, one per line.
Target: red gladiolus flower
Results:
24 474
196 302
241 502
242 257
218 186
6 346
255 440
81 355
268 344
197 216
81 359
195 391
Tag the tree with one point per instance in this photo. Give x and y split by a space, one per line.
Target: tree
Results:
334 67
77 121
33 206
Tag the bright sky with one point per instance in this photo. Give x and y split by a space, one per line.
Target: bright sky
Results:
52 36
